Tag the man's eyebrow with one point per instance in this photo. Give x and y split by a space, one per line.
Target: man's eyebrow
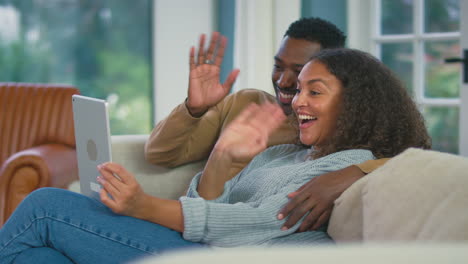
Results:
277 58
295 65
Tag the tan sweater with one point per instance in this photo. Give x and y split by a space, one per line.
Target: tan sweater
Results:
182 138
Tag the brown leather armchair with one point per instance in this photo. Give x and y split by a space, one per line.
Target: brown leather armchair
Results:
37 141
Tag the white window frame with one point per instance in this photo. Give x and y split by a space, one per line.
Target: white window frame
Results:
417 39
364 34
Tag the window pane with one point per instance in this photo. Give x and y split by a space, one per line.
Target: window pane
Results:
102 47
399 58
442 79
397 17
441 15
442 123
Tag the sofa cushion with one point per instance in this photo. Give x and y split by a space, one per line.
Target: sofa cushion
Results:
417 195
128 150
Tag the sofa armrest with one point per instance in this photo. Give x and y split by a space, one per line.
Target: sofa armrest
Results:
49 165
419 195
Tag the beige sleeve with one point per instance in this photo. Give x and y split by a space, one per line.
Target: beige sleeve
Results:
181 138
371 165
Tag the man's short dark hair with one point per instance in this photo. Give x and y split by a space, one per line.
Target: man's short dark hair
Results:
317 30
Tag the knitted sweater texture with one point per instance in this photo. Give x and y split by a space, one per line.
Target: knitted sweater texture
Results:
246 212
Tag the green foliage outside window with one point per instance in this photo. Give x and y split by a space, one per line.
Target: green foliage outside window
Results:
103 47
441 81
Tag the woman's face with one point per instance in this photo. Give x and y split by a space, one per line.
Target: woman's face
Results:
317 103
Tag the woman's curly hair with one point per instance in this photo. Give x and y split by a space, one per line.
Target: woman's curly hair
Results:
377 112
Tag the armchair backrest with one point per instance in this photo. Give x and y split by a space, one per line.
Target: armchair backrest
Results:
33 114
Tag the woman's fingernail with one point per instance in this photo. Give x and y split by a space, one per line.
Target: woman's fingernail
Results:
284 228
280 216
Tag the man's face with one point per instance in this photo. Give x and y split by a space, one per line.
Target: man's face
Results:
292 55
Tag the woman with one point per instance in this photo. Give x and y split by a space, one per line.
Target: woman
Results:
350 109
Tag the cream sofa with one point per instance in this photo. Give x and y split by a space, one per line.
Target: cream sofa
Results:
418 196
128 150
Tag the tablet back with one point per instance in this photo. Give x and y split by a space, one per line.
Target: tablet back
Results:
93 142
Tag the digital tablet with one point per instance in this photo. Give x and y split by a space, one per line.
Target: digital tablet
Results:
93 142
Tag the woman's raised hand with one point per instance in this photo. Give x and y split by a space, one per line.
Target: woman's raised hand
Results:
247 135
205 89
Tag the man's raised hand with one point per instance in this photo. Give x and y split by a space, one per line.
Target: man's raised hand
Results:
205 89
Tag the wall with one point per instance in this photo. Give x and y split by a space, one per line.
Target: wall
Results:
177 26
260 26
331 10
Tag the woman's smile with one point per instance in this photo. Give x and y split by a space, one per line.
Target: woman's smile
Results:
306 120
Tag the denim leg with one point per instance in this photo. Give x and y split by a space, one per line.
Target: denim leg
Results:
83 230
41 255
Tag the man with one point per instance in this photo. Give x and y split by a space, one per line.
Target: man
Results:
191 130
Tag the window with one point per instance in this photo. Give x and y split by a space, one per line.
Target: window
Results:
103 47
413 37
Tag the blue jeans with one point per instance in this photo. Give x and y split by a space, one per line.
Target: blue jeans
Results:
59 226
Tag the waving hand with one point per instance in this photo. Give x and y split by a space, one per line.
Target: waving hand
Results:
242 139
205 89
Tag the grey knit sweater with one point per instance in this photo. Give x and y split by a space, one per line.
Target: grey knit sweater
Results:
246 212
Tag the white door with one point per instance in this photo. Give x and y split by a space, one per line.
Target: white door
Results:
464 79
